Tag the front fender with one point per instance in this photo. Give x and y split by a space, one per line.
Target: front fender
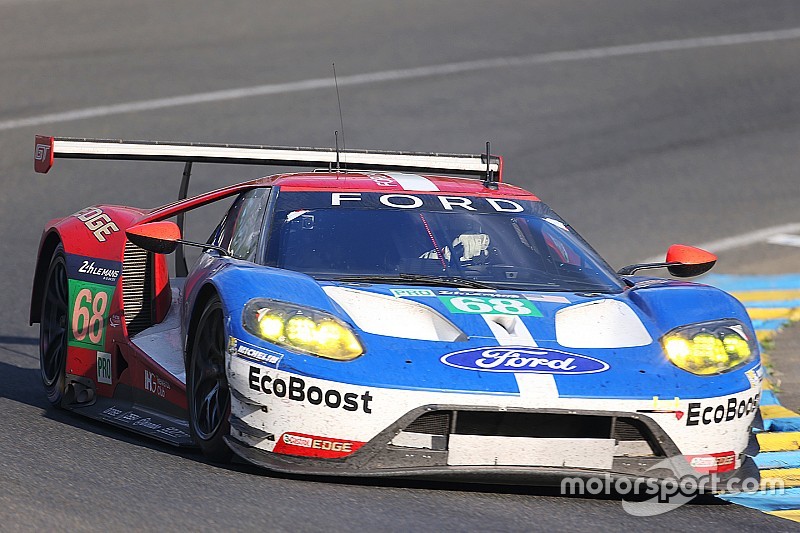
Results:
671 304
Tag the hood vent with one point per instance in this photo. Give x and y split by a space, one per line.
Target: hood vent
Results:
394 317
600 324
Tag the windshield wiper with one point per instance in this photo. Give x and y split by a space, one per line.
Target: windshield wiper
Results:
417 279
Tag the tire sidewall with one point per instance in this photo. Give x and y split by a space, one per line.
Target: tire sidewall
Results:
56 390
213 447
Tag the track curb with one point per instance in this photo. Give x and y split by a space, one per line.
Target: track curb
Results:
772 302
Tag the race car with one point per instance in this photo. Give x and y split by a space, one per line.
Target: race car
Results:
388 314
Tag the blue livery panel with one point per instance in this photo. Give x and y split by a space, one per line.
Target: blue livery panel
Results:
640 372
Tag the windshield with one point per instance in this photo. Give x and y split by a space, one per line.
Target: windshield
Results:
404 238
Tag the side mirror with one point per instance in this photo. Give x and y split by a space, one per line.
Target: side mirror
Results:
687 261
682 261
159 237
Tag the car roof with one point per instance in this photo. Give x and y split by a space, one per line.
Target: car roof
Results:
393 182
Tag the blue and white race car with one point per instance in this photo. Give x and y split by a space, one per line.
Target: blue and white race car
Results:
390 319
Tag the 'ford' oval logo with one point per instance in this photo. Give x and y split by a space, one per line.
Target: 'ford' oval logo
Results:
524 359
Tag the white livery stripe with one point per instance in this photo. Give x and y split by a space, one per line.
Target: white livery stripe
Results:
412 182
510 330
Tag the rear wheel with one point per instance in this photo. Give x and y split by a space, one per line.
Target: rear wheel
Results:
53 328
207 390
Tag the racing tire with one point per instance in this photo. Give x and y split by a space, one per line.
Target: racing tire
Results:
207 391
53 324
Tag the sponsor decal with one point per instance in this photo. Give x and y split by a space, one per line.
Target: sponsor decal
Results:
93 270
382 180
130 416
41 152
104 368
482 305
147 423
431 202
714 462
112 411
172 432
733 408
140 422
399 293
97 222
473 292
89 305
155 383
250 352
665 406
295 389
313 446
755 375
297 440
524 359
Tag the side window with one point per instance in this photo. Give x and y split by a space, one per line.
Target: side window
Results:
241 228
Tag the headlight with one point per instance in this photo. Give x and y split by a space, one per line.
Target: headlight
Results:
301 329
709 348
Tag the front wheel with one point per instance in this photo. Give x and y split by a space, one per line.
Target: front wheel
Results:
207 390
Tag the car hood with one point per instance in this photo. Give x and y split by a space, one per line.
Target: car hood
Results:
593 345
589 345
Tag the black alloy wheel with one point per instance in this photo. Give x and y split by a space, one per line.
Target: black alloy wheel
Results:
53 324
207 389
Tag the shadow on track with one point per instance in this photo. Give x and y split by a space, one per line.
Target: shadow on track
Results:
24 385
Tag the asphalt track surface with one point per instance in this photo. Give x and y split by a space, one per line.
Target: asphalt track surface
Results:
637 150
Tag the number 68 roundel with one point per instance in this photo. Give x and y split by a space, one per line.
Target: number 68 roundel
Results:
88 312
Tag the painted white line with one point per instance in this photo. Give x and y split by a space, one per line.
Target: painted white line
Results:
739 241
785 239
406 74
21 2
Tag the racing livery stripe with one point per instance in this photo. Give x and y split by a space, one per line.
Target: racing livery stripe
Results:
530 385
412 182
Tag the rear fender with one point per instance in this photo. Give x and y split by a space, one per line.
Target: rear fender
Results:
94 242
95 232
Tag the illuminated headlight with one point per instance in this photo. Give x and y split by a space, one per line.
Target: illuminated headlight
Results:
301 329
710 348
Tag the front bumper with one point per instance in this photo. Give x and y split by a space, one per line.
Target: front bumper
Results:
640 449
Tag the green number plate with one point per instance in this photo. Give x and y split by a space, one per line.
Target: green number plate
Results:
490 305
89 304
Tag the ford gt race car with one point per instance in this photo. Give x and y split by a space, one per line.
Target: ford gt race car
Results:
393 314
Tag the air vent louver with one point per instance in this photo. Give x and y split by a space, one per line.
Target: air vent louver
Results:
137 288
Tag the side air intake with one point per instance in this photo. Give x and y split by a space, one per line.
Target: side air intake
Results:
137 288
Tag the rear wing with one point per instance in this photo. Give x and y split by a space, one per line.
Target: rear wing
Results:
485 166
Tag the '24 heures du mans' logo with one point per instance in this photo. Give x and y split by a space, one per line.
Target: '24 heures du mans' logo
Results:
524 359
